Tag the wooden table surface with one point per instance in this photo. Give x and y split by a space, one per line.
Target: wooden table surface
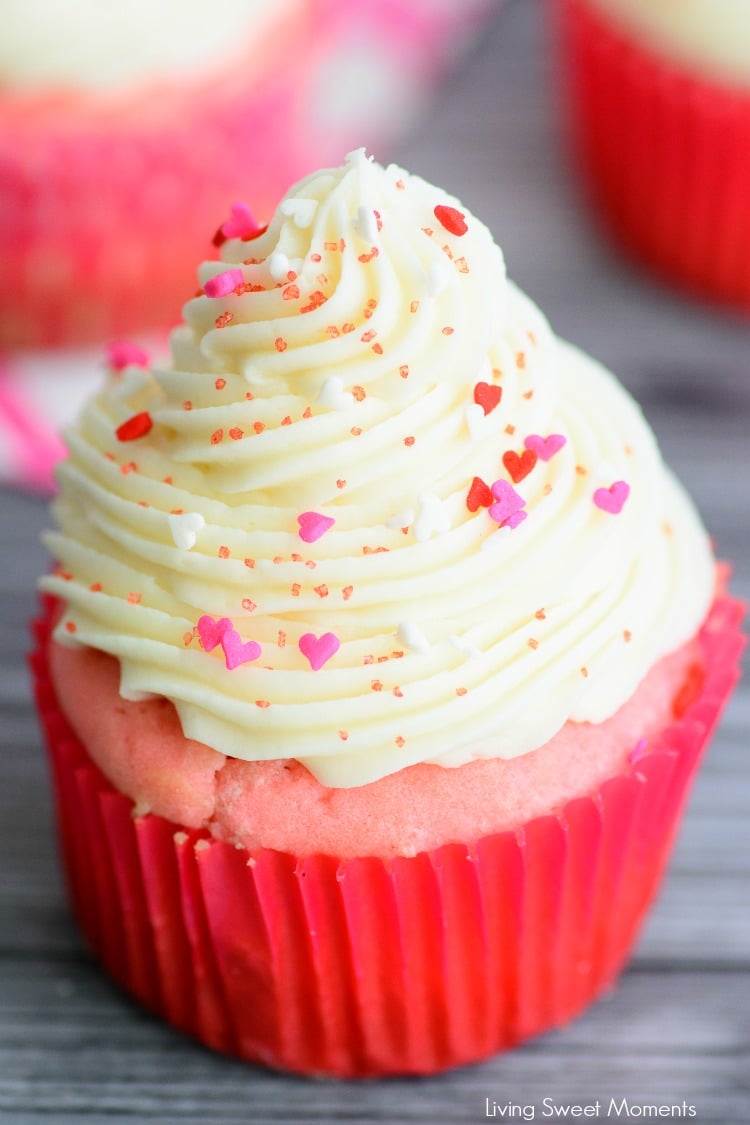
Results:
73 1049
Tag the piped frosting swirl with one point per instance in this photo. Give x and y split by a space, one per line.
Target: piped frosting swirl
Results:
374 512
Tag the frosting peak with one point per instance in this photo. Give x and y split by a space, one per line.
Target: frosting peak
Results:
373 512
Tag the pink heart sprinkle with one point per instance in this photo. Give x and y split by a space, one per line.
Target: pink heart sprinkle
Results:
312 525
223 283
508 502
121 353
241 224
237 651
319 650
211 632
612 499
513 521
545 448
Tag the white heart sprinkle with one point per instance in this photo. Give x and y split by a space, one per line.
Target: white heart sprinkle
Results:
413 637
278 266
464 646
301 210
333 395
185 527
438 276
404 518
432 517
477 421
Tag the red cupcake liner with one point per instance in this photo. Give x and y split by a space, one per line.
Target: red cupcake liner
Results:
366 967
665 154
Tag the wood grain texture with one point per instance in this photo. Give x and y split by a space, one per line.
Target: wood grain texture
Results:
73 1049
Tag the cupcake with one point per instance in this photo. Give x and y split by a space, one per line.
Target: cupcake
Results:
149 118
379 653
660 114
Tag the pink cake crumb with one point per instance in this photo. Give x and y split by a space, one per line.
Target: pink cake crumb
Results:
140 747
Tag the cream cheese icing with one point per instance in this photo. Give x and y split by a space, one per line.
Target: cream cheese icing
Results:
712 35
373 512
86 44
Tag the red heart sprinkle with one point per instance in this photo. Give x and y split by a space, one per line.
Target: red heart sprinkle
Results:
453 220
480 495
487 396
136 427
519 466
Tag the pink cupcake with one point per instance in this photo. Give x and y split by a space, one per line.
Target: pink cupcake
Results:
379 654
660 114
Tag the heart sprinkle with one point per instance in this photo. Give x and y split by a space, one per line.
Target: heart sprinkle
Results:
185 527
222 632
333 395
545 448
241 224
613 498
318 650
122 354
451 218
223 283
507 509
519 466
136 427
487 396
302 211
412 636
312 525
432 517
479 496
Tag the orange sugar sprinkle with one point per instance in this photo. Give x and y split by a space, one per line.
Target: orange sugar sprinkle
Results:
168 480
413 306
223 320
217 436
134 599
355 431
322 279
64 574
447 250
277 559
520 360
348 327
110 456
533 642
497 373
528 394
259 427
447 330
263 703
130 467
307 412
667 529
428 231
248 604
461 265
322 590
460 691
333 331
330 246
376 685
627 636
581 470
547 489
143 504
372 303
400 741
342 245
187 637
71 627
223 552
311 564
187 404
290 292
296 558
249 563
286 420
378 349
340 483
584 672
249 396
400 185
281 639
404 370
628 451
95 587
369 659
509 429
531 337
347 592
294 589
382 659
409 440
220 384
359 393
280 344
370 334
396 655
398 692
343 735
540 615
316 257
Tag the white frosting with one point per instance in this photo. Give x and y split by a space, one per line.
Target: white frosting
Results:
459 637
712 35
101 44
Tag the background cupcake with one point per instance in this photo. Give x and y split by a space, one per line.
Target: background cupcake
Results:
444 638
660 114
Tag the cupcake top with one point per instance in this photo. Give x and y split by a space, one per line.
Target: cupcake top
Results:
373 512
711 35
90 45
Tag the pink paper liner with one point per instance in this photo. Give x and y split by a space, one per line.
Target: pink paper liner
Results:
664 154
366 967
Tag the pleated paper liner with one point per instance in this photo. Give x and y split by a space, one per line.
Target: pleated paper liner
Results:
665 155
365 967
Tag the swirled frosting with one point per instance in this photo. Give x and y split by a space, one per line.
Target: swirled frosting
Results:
712 35
374 512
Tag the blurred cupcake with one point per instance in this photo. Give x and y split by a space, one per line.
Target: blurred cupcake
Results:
380 653
151 118
660 99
